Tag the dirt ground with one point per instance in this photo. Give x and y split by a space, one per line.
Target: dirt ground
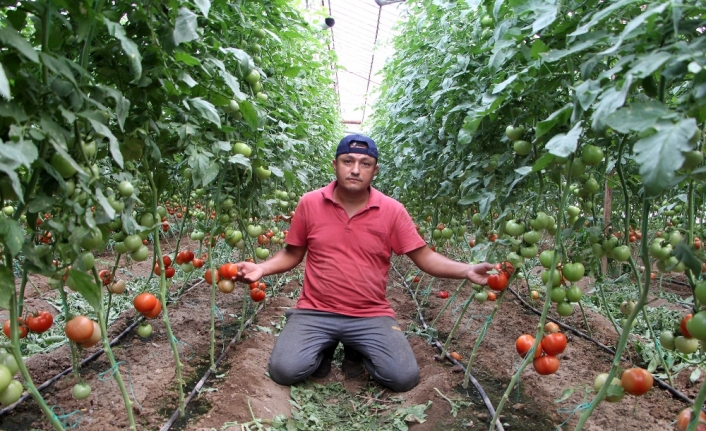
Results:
241 383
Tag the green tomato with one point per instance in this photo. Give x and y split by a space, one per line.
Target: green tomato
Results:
147 220
564 309
574 271
5 377
447 233
262 173
697 326
592 155
666 339
487 21
532 237
8 360
88 260
81 391
481 296
242 148
546 257
133 242
513 228
144 330
514 133
126 189
591 186
529 252
522 148
120 247
541 221
616 387
675 238
197 235
660 249
253 77
253 231
700 292
92 239
262 253
8 210
621 253
161 212
141 254
556 277
574 294
558 294
573 211
686 345
62 166
692 159
11 394
262 96
477 219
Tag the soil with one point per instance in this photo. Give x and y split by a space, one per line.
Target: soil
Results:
240 389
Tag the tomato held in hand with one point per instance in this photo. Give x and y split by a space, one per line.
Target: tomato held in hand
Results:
523 344
40 322
554 344
637 381
497 282
546 365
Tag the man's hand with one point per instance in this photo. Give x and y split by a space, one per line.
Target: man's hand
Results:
479 273
249 272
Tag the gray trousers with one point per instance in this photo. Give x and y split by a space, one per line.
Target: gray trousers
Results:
386 353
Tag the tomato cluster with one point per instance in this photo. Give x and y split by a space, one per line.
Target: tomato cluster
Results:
545 358
257 291
37 322
83 331
169 270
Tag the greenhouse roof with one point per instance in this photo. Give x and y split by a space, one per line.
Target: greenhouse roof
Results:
361 37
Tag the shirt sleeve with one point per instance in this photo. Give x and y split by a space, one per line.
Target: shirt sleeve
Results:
297 235
405 237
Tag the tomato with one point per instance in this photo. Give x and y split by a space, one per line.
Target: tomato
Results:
514 229
600 381
254 285
8 360
637 381
167 260
534 294
621 253
157 270
145 302
660 249
683 327
497 282
141 254
443 294
81 391
40 322
94 338
522 148
198 263
154 312
532 237
132 242
523 344
558 294
684 418
554 344
492 296
455 355
79 329
5 377
686 345
564 309
23 330
529 252
513 133
573 271
262 253
481 296
551 328
226 286
62 166
11 394
697 326
545 365
257 295
118 287
209 279
556 277
144 330
169 272
574 293
184 256
545 258
666 339
105 276
228 270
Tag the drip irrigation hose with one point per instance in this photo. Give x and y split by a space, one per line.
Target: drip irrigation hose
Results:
438 345
175 416
90 358
661 383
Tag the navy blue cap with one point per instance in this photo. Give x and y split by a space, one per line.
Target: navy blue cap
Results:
344 147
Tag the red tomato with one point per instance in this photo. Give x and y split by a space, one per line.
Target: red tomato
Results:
40 322
554 344
682 325
167 260
209 279
157 270
492 296
169 272
257 295
228 270
254 285
23 330
523 344
546 365
497 281
79 329
443 294
685 417
145 302
105 276
637 381
198 263
154 312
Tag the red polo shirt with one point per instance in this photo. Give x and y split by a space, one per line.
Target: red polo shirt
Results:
348 258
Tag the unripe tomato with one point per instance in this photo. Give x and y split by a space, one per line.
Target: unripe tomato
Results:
600 381
81 391
11 394
144 330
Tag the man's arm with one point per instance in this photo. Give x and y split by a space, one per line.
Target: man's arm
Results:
283 261
441 266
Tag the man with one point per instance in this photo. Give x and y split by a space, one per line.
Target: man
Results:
349 231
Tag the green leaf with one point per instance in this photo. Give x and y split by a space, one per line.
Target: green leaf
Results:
103 130
12 235
10 37
647 64
276 171
558 117
103 201
609 102
563 145
543 162
633 25
484 199
249 114
129 47
207 110
4 84
86 286
500 87
23 152
7 286
686 255
538 47
565 395
185 28
600 15
40 202
292 71
204 6
241 160
639 116
695 375
586 93
186 58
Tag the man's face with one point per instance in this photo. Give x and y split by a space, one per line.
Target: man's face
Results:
355 172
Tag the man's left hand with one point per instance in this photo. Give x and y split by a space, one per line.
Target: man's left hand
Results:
479 273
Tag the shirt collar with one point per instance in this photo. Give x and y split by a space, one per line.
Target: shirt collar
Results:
374 199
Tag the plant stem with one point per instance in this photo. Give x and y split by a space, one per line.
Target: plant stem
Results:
585 321
480 337
458 322
458 289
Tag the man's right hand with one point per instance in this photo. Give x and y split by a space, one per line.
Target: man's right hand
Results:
249 272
